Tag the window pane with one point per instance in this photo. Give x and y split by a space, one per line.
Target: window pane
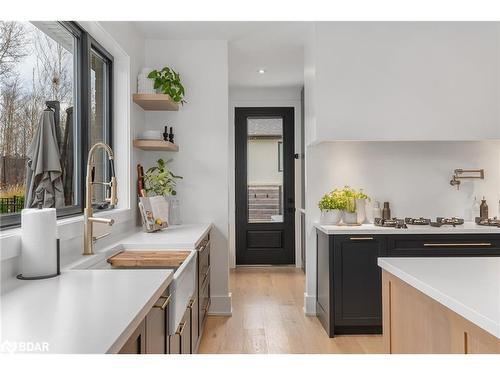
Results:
37 67
265 170
99 120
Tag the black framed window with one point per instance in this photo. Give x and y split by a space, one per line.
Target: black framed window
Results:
51 66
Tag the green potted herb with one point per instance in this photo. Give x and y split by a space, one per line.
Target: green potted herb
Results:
332 206
168 81
160 180
355 211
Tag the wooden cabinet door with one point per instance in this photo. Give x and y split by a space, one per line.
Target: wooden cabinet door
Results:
136 344
180 342
174 344
185 332
156 329
357 281
194 314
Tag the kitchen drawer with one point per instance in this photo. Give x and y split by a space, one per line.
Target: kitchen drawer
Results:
204 301
440 245
156 326
180 341
203 262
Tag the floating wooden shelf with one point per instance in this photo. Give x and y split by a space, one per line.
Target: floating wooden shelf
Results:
155 102
155 145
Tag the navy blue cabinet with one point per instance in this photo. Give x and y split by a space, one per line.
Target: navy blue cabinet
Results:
349 282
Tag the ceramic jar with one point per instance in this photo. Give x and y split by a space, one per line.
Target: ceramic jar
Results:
331 217
360 211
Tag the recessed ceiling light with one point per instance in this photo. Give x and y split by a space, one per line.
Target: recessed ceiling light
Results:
261 71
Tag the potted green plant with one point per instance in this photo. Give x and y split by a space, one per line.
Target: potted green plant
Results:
350 217
168 81
332 206
159 180
355 211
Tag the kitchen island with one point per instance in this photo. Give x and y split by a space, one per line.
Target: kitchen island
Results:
441 305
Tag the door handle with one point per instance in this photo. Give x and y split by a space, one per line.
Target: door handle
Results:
474 244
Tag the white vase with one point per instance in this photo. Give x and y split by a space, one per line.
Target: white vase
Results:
360 210
350 218
330 217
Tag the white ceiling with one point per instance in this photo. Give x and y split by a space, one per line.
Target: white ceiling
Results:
276 47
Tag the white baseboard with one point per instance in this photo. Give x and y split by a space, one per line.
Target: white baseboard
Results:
309 305
221 305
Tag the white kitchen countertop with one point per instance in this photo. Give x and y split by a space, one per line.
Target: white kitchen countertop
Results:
91 310
186 236
87 311
468 286
466 228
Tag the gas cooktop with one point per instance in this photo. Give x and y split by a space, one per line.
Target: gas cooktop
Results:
440 221
488 222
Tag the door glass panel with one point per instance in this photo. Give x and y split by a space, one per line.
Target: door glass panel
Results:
265 169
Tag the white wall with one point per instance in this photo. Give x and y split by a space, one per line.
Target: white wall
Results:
413 176
262 97
405 80
201 131
127 47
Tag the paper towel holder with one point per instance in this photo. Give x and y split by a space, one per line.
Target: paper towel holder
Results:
58 249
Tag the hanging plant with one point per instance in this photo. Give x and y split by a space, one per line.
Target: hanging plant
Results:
168 81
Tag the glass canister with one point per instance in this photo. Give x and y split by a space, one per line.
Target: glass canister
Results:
174 211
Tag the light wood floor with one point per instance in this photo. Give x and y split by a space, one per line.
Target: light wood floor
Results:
268 317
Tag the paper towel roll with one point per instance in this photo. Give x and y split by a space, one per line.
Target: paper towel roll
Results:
39 242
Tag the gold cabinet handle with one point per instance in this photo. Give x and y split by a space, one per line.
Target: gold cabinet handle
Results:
191 302
204 246
361 238
164 305
180 329
457 244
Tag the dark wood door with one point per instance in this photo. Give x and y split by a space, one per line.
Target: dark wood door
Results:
357 281
265 195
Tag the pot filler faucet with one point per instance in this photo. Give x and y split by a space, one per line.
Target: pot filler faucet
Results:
88 219
465 173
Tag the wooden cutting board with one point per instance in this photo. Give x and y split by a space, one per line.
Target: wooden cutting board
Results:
137 259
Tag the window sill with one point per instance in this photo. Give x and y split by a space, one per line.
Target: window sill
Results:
67 228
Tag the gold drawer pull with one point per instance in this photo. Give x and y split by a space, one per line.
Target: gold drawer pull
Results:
180 329
191 302
457 244
361 238
164 305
